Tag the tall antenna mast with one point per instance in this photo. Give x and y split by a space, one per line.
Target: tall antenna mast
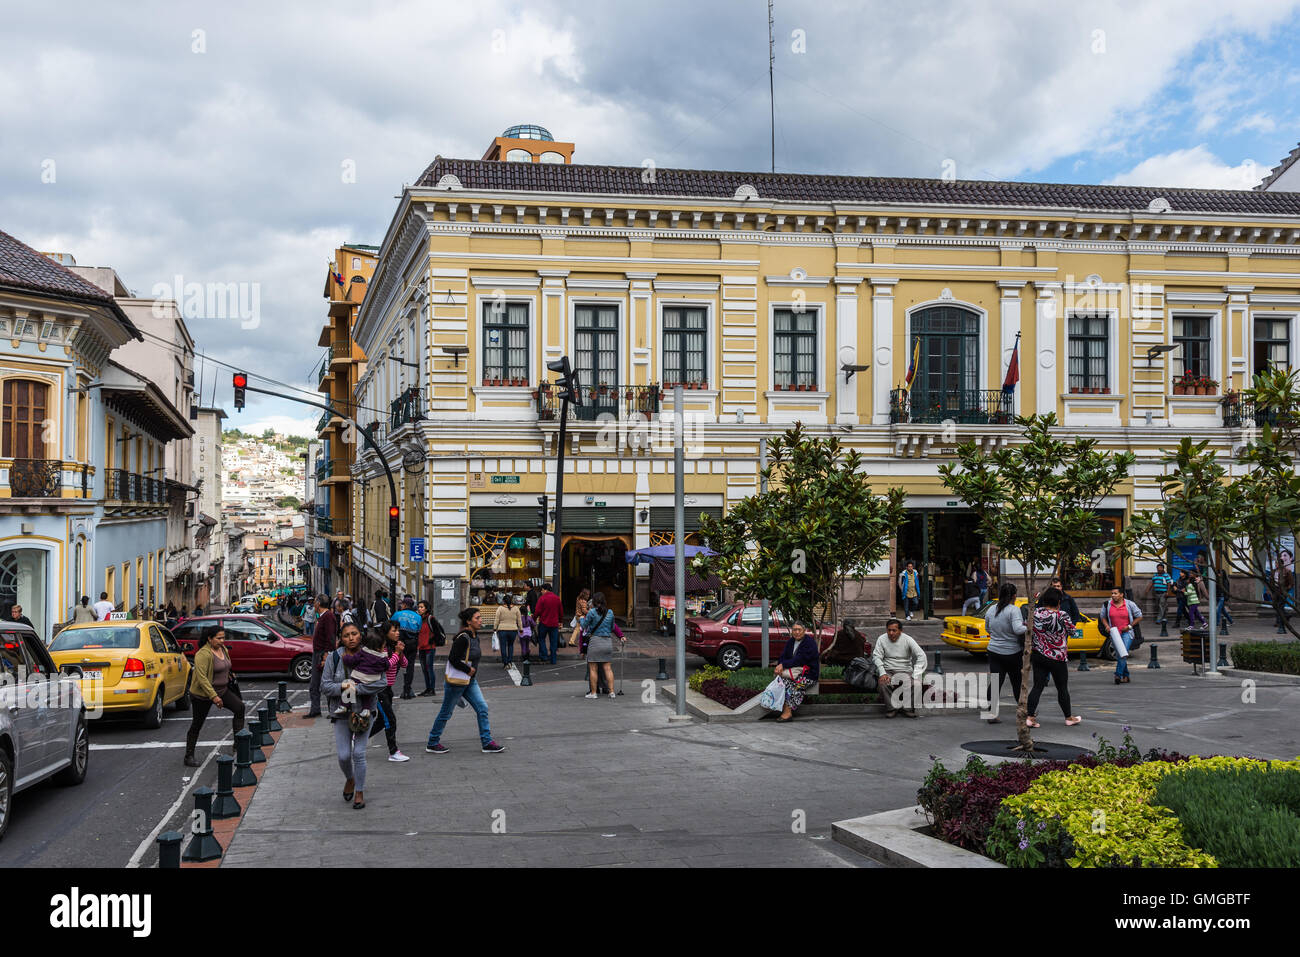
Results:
771 65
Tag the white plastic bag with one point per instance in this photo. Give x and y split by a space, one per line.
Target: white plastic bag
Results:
496 642
1118 642
773 696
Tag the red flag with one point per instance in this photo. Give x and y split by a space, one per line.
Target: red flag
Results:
1013 370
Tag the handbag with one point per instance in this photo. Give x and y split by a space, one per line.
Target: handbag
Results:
773 696
454 676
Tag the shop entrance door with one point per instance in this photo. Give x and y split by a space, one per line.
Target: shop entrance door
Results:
953 547
598 564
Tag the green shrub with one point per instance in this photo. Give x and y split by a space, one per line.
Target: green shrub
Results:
1278 657
1245 815
696 681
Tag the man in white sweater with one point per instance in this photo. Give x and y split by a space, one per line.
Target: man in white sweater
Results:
900 662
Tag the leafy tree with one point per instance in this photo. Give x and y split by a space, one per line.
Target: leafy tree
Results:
796 543
1242 517
1036 501
288 501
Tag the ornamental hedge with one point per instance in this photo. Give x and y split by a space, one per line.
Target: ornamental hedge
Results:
1278 657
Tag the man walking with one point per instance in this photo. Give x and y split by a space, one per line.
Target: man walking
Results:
548 622
1161 582
103 608
324 637
900 663
909 586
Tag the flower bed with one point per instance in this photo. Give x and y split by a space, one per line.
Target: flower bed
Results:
1119 809
1278 657
734 688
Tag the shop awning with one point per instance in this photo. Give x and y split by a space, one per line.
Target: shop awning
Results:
665 553
663 571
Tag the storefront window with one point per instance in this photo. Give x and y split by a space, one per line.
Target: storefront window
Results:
515 566
1095 568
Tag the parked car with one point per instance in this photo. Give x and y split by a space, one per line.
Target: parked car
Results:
37 742
126 665
258 644
732 634
970 633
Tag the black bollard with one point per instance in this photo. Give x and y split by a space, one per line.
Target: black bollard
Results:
270 715
527 680
282 697
1164 629
1155 659
169 849
244 776
663 670
1083 661
1223 655
255 755
225 805
264 721
938 664
203 846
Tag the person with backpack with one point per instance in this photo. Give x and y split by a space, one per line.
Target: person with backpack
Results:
350 736
1120 614
324 638
598 626
409 622
461 681
431 638
1007 629
380 611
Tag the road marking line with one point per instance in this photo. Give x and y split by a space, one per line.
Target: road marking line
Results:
176 806
153 744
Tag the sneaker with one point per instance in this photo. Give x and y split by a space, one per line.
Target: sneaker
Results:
398 757
340 711
592 694
436 749
493 748
612 695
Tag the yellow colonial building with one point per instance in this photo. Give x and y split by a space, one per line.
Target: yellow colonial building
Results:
776 298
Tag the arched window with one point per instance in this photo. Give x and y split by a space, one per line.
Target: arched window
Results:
25 411
949 361
550 156
519 156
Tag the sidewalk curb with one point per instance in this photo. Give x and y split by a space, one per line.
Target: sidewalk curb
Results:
895 838
1258 676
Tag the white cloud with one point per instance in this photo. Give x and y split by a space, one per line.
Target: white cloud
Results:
1195 168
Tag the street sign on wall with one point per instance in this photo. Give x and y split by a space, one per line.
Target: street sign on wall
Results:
417 549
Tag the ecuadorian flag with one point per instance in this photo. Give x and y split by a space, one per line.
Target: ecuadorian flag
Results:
911 369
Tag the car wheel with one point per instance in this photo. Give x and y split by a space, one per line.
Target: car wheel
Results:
300 670
75 773
6 790
153 717
731 657
1107 651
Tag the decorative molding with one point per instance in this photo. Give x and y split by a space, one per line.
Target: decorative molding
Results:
449 182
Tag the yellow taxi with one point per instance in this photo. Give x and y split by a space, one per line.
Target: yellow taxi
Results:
970 633
126 665
266 601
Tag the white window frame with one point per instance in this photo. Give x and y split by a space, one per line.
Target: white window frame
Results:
710 347
534 344
1292 319
820 308
1216 343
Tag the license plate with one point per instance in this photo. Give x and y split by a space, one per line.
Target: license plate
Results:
93 675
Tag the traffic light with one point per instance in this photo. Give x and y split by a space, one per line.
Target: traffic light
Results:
541 512
394 525
568 381
240 381
266 544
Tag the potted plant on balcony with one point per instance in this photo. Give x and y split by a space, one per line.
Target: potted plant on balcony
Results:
1182 384
628 394
1208 386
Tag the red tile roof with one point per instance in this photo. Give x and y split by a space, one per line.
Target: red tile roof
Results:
629 181
24 269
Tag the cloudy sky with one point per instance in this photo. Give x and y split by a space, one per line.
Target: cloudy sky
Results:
211 141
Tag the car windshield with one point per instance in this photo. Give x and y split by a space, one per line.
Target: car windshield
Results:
719 613
274 625
73 639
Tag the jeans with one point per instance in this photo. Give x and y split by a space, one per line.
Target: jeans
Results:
1162 605
200 708
1194 614
1222 611
545 632
452 694
1059 672
1121 664
974 601
313 687
910 605
386 719
351 750
427 665
507 641
410 664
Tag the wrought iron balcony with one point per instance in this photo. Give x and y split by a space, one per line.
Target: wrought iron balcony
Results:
36 478
1240 412
620 402
325 363
323 465
332 526
405 408
964 407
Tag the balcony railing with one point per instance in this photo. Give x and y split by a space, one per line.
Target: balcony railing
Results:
36 478
964 407
325 363
1240 412
332 526
124 486
323 421
405 408
617 401
323 468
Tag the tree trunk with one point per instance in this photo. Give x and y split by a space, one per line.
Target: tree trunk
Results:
1026 673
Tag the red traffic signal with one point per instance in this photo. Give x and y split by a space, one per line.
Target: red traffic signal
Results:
266 543
240 381
394 525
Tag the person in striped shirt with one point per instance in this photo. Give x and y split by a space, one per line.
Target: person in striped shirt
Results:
1161 583
385 716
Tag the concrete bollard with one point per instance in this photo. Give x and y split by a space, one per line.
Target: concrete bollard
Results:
663 670
264 721
255 755
169 850
527 680
1083 661
938 664
282 697
244 776
225 805
1155 659
270 715
203 846
1223 655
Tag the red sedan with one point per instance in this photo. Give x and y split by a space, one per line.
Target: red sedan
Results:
258 644
732 634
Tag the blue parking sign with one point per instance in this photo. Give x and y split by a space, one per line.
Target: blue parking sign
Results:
417 549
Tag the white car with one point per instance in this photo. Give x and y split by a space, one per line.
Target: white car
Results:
42 718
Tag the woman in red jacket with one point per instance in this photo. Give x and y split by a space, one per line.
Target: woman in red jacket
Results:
431 638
